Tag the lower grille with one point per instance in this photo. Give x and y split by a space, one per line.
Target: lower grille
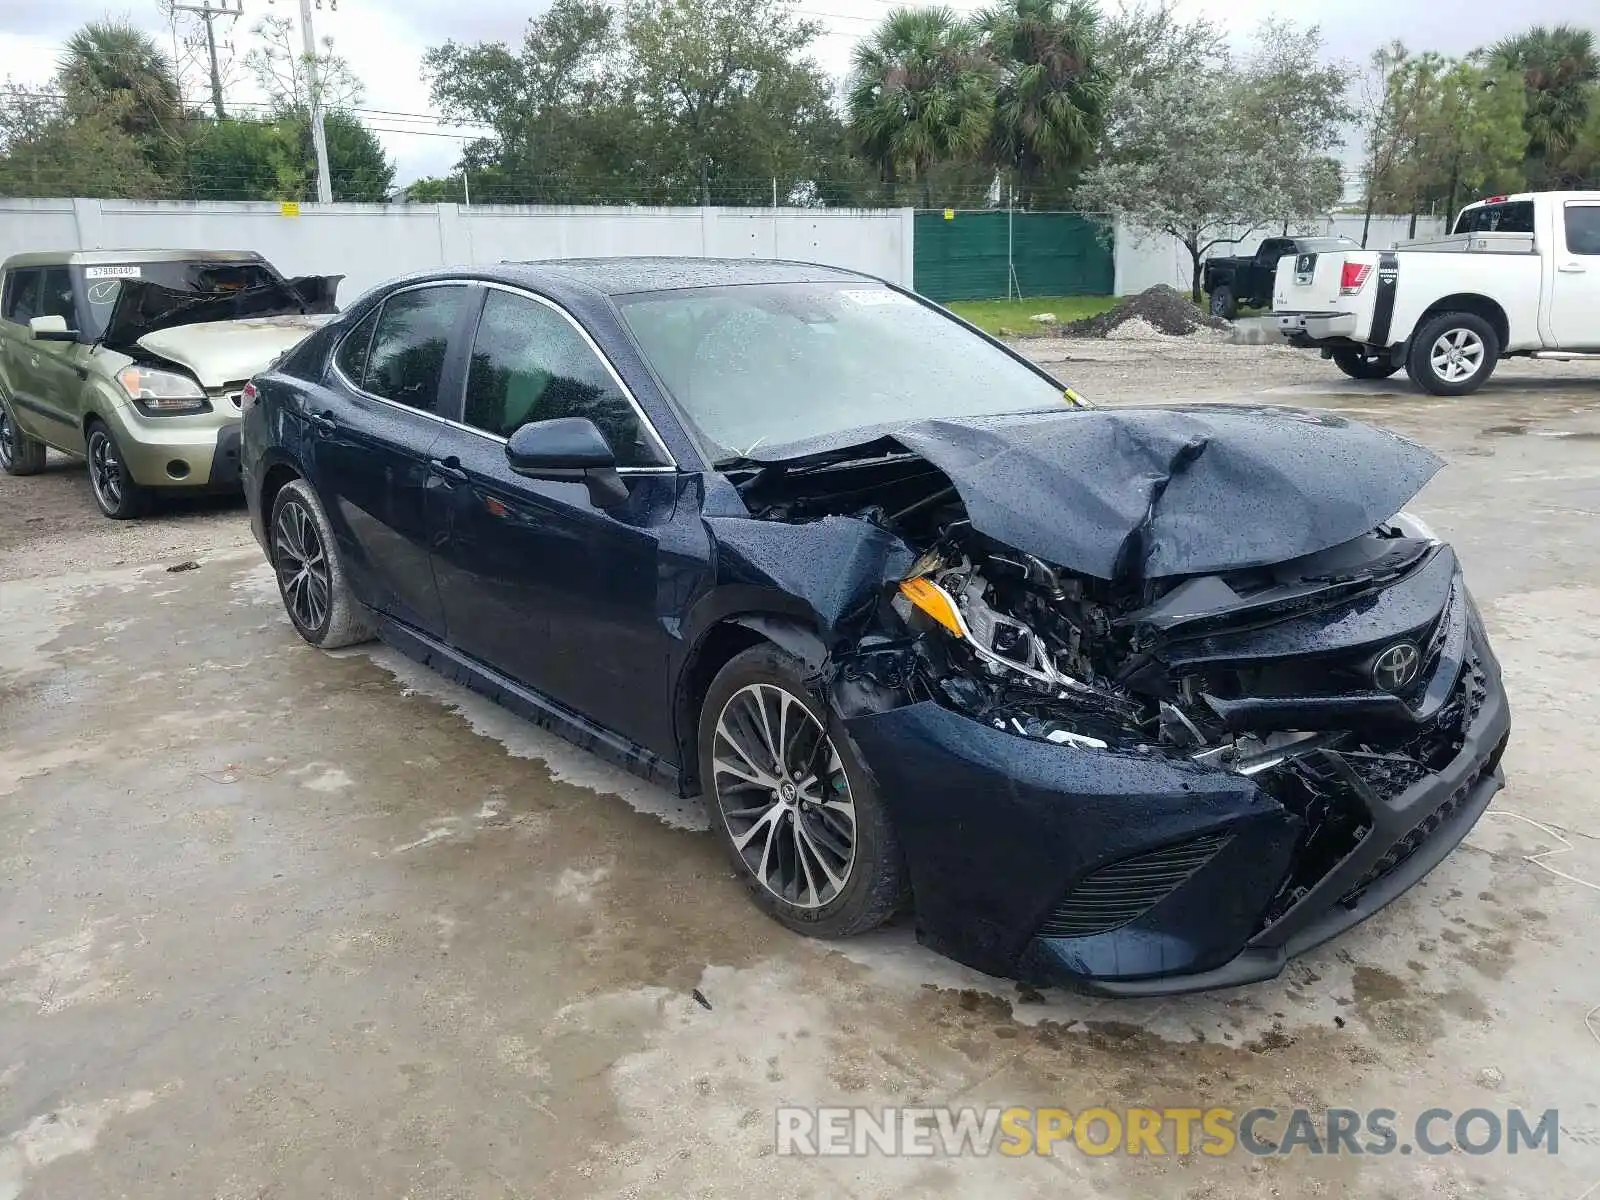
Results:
1124 891
1418 837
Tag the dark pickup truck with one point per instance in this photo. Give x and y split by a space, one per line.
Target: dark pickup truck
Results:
1231 282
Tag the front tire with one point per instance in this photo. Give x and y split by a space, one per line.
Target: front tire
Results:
1453 354
115 491
19 453
791 803
1224 303
1358 365
311 578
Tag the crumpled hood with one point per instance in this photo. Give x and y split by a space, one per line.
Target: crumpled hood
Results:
1131 493
143 308
222 352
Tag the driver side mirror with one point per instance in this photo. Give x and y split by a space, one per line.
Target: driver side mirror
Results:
51 329
568 448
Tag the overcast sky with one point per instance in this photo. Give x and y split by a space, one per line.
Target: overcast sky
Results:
384 39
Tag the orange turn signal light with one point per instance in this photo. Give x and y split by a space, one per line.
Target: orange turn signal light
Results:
932 599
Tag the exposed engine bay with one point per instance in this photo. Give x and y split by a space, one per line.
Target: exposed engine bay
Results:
1321 652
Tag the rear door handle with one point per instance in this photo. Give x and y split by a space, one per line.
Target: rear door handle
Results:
1572 268
324 424
448 468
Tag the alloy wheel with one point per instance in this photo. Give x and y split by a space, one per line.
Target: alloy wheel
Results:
1457 354
302 565
105 471
8 440
784 796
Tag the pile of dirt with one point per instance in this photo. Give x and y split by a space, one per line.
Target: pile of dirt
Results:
1163 309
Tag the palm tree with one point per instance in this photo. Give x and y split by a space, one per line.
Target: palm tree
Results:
921 93
1050 96
1558 68
113 68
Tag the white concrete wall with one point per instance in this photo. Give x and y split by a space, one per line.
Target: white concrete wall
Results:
1145 259
369 243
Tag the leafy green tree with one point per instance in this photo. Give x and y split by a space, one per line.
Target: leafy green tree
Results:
1454 128
46 152
1050 92
729 86
663 101
1212 152
1559 69
557 104
921 93
115 70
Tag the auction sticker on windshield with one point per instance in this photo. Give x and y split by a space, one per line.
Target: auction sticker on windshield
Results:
113 272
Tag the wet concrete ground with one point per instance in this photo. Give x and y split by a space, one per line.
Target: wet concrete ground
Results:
275 923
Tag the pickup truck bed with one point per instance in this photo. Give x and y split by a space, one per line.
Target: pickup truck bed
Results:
1520 275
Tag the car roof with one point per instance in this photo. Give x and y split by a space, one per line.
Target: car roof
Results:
92 258
624 276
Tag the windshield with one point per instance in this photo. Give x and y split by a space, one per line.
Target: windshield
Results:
769 364
102 282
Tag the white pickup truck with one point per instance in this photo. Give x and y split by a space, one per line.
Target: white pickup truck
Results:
1518 275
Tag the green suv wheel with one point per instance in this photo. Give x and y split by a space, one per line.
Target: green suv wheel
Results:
19 453
118 496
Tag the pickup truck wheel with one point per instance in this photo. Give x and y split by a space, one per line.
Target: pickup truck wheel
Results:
19 453
118 496
1364 366
1223 302
1453 354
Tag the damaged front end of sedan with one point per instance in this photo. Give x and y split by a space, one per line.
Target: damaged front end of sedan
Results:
1157 698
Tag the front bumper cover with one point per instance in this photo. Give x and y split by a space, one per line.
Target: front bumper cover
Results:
997 829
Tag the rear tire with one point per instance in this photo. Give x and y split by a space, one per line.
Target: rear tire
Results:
1453 354
803 826
1365 366
115 492
1224 303
19 453
311 577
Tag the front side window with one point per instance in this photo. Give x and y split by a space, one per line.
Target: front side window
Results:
1583 228
759 366
530 364
409 346
41 292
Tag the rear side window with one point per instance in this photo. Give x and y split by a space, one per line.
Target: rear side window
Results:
1583 228
1497 218
530 364
351 356
409 345
21 295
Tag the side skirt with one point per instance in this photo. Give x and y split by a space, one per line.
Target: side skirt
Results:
529 704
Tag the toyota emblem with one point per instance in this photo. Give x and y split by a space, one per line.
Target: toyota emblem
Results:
1397 667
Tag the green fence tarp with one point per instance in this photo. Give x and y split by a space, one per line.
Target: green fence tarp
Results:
1055 254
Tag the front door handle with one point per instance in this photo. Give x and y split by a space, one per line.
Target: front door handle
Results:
324 424
34 361
1572 268
448 468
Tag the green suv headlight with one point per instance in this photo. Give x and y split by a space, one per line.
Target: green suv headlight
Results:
161 393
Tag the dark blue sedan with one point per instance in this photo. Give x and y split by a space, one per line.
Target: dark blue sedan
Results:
1140 700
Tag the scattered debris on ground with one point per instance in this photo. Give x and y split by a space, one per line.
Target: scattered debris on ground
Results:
1159 311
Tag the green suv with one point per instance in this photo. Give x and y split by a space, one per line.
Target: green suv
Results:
135 360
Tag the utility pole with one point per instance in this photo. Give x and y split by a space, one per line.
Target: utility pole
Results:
208 14
319 135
